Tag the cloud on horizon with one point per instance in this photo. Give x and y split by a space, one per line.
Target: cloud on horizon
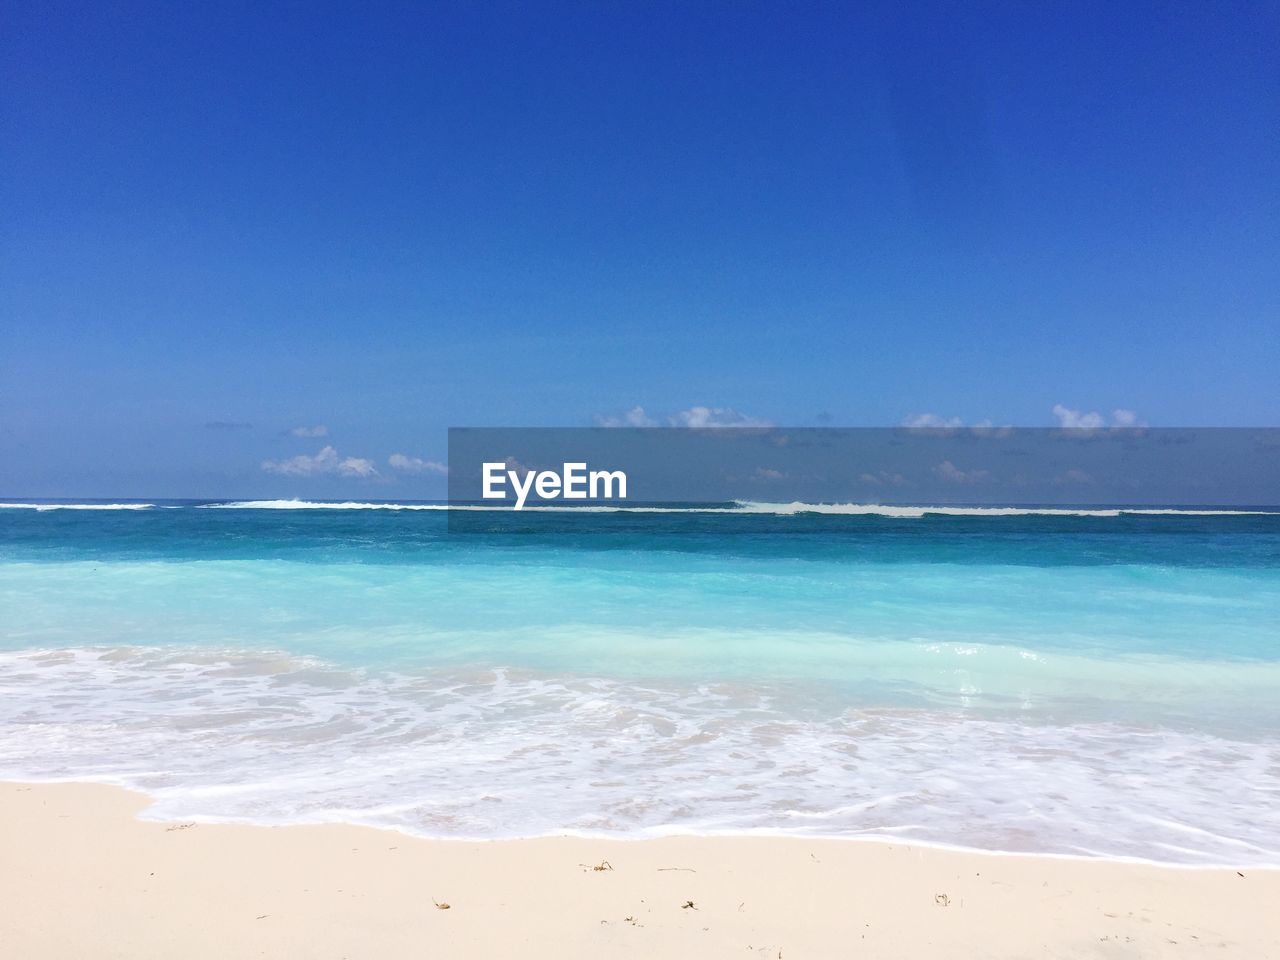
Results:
407 464
1070 419
703 417
325 463
931 421
695 417
709 417
310 433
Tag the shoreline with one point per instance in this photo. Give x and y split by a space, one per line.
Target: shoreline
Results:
543 744
761 833
83 876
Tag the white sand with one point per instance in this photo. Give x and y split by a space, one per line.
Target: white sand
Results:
80 877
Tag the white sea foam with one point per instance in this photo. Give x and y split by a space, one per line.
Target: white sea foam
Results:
469 753
318 505
756 507
76 506
913 512
794 508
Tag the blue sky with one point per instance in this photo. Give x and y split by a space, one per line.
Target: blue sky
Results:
224 224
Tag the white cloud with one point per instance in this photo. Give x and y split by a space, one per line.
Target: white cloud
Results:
1125 418
768 473
310 433
357 467
706 417
1070 419
1075 420
932 420
407 464
700 417
326 462
949 471
635 417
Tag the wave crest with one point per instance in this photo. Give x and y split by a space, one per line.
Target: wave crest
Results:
916 512
76 506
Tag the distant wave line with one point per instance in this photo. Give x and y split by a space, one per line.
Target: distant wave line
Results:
748 507
739 508
42 507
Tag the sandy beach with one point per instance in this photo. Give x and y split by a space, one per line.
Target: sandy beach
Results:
82 877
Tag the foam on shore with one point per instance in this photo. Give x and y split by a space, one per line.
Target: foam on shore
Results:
467 753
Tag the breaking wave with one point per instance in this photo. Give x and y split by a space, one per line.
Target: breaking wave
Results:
76 506
474 753
756 507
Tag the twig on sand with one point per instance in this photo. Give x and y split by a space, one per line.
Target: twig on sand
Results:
688 905
685 869
440 905
600 867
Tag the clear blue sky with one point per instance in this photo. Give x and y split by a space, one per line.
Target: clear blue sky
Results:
222 224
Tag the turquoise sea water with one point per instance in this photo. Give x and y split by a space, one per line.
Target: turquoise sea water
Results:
1088 684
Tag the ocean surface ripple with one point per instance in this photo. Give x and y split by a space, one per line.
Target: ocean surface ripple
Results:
1080 685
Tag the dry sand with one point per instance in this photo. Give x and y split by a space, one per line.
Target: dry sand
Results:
80 877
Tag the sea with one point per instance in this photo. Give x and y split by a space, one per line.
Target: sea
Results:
1101 682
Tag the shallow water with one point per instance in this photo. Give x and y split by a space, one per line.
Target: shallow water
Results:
1106 685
